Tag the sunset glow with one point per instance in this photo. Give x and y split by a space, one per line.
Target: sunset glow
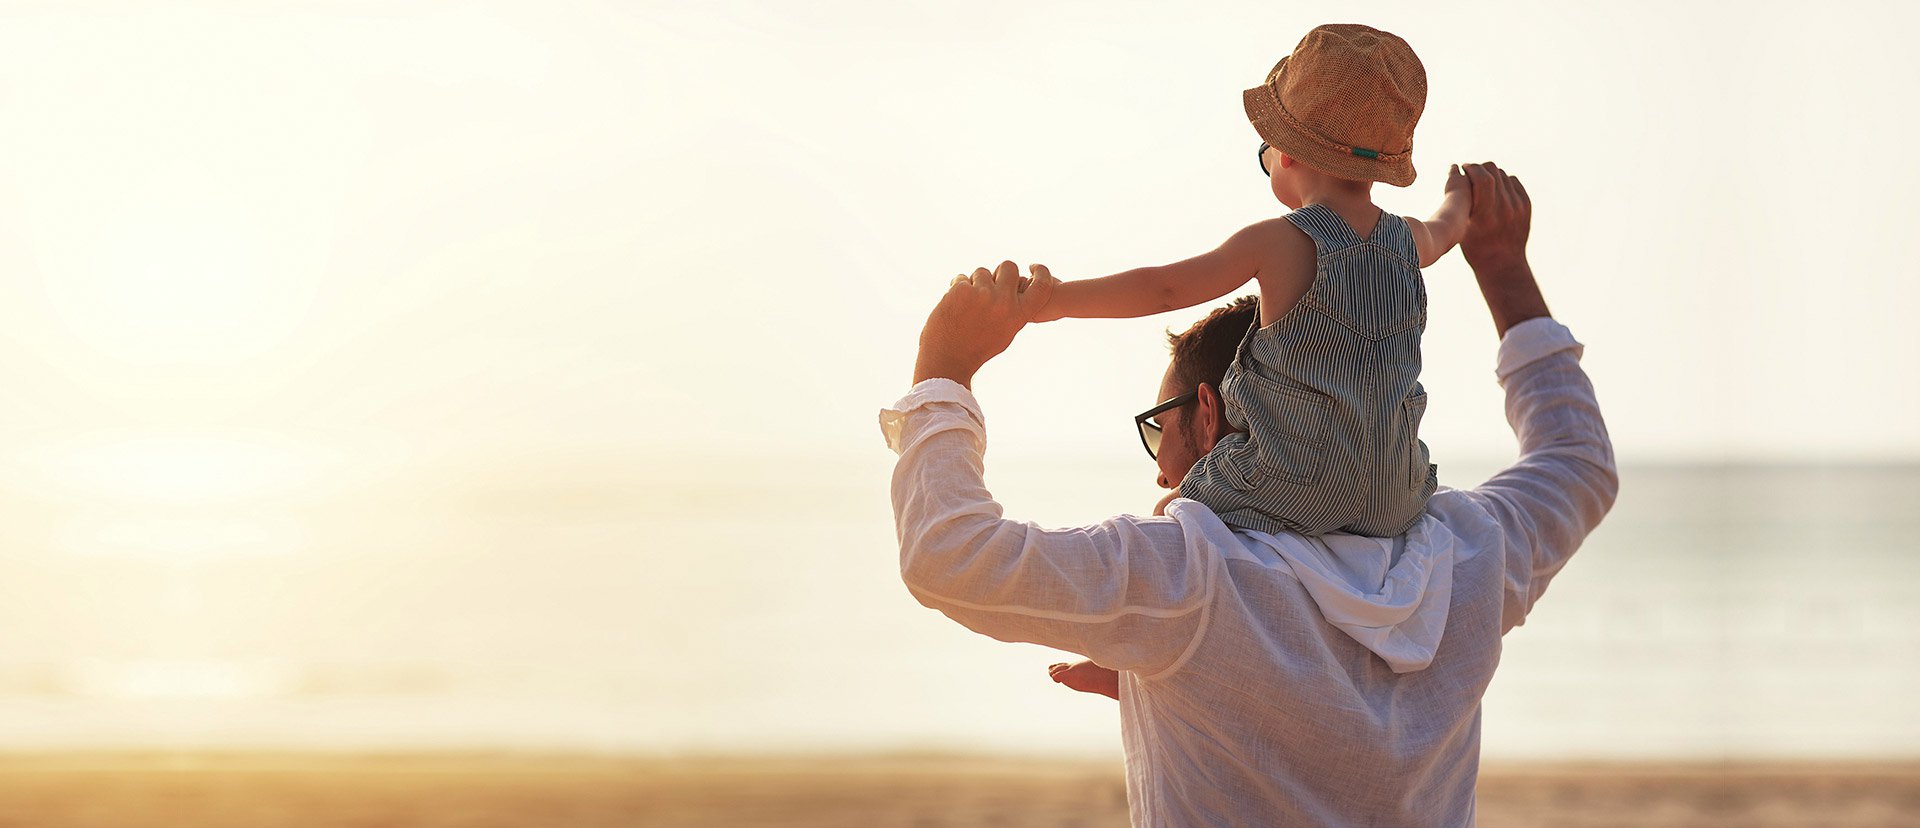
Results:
505 374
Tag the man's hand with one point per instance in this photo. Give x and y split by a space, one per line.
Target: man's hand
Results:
1501 217
1495 246
978 319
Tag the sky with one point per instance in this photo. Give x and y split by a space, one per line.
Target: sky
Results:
473 228
268 273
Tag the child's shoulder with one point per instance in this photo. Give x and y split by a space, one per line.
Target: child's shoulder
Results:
1274 236
1284 263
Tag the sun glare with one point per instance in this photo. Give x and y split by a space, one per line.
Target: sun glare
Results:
174 275
181 539
176 679
179 470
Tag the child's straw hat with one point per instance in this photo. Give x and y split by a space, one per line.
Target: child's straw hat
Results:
1344 103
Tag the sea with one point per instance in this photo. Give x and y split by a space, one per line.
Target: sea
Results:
1722 611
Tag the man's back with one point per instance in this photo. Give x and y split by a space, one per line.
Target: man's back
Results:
1321 680
1321 729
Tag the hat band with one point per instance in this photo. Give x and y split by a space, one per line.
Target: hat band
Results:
1329 143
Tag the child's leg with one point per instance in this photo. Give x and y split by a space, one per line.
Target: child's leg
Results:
1087 677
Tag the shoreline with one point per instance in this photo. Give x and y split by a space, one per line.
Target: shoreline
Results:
477 790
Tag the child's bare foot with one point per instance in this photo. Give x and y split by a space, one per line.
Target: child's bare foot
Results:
1087 677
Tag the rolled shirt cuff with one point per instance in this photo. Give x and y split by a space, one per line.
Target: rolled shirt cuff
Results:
893 419
1532 341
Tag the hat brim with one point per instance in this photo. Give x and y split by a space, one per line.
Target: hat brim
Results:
1268 119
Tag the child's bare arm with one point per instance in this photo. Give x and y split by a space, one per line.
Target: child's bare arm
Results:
1438 234
1144 291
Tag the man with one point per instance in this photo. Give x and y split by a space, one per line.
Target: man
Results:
1268 679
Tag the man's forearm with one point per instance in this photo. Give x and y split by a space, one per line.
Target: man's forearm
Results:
1495 246
937 366
1512 294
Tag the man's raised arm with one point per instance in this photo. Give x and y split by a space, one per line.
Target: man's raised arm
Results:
1565 480
1126 592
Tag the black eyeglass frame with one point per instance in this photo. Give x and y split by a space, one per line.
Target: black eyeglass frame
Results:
1144 421
1262 158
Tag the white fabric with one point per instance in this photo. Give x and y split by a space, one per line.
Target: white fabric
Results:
1274 679
1389 594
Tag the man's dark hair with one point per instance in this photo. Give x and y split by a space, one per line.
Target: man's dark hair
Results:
1203 352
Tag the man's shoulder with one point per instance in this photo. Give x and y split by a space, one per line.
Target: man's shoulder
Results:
1203 532
1467 517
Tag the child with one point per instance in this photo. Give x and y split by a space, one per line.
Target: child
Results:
1326 385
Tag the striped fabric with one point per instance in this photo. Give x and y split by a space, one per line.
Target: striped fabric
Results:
1329 396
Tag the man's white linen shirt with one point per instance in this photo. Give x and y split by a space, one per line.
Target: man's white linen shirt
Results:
1274 679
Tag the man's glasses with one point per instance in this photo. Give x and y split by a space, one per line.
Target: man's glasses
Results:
1264 146
1150 430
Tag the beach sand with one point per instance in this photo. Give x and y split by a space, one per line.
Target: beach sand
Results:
584 792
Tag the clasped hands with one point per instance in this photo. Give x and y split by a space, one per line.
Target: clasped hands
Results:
977 319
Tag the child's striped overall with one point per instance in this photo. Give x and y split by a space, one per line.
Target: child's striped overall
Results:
1329 396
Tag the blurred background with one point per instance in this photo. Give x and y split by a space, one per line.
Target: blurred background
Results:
502 377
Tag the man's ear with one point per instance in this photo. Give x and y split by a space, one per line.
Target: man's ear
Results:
1211 419
1286 161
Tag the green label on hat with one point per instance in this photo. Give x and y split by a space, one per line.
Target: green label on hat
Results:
1364 153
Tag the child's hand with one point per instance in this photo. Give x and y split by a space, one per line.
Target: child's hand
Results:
1448 225
1044 282
1087 677
1459 188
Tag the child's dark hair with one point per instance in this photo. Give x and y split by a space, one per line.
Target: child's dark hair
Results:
1202 353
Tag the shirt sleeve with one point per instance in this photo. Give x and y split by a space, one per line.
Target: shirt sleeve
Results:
1565 480
1127 593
